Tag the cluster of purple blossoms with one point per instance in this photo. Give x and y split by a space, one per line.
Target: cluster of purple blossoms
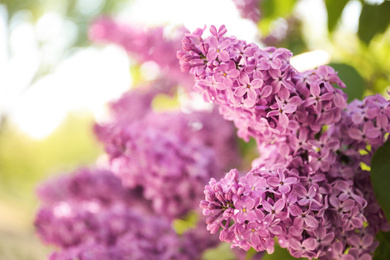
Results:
144 44
308 188
90 215
170 155
258 89
249 9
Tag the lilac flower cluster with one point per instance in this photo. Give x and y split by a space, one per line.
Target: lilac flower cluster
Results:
249 9
258 89
171 155
307 188
102 187
90 215
144 44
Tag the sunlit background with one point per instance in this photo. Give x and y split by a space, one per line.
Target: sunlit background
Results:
54 82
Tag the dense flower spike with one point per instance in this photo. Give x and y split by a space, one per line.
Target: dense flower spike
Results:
170 155
93 216
307 188
84 184
258 89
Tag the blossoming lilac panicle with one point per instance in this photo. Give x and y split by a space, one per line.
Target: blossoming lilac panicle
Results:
170 155
259 83
97 185
308 188
252 210
95 217
363 128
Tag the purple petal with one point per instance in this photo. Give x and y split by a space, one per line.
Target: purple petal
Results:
355 134
284 189
367 241
315 90
290 180
252 94
233 73
283 120
223 45
354 240
249 203
267 206
276 230
244 79
257 83
266 91
310 244
220 86
348 205
224 56
254 239
295 210
339 101
240 91
310 221
212 55
241 217
279 205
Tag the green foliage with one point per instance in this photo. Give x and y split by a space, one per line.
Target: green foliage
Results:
373 19
383 250
248 152
24 161
188 222
223 251
334 9
272 10
13 6
352 79
380 177
250 254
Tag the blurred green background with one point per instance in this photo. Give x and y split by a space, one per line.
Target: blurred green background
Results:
354 34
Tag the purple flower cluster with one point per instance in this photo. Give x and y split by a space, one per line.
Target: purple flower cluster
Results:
144 44
90 185
258 89
249 9
308 188
171 155
90 215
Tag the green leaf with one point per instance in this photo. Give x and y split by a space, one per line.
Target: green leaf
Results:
380 177
250 254
188 222
248 151
223 251
352 79
383 250
373 19
334 9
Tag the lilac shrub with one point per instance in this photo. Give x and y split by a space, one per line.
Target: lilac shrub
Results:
308 188
90 215
170 155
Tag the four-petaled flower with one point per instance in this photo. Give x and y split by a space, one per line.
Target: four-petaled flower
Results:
245 207
247 89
